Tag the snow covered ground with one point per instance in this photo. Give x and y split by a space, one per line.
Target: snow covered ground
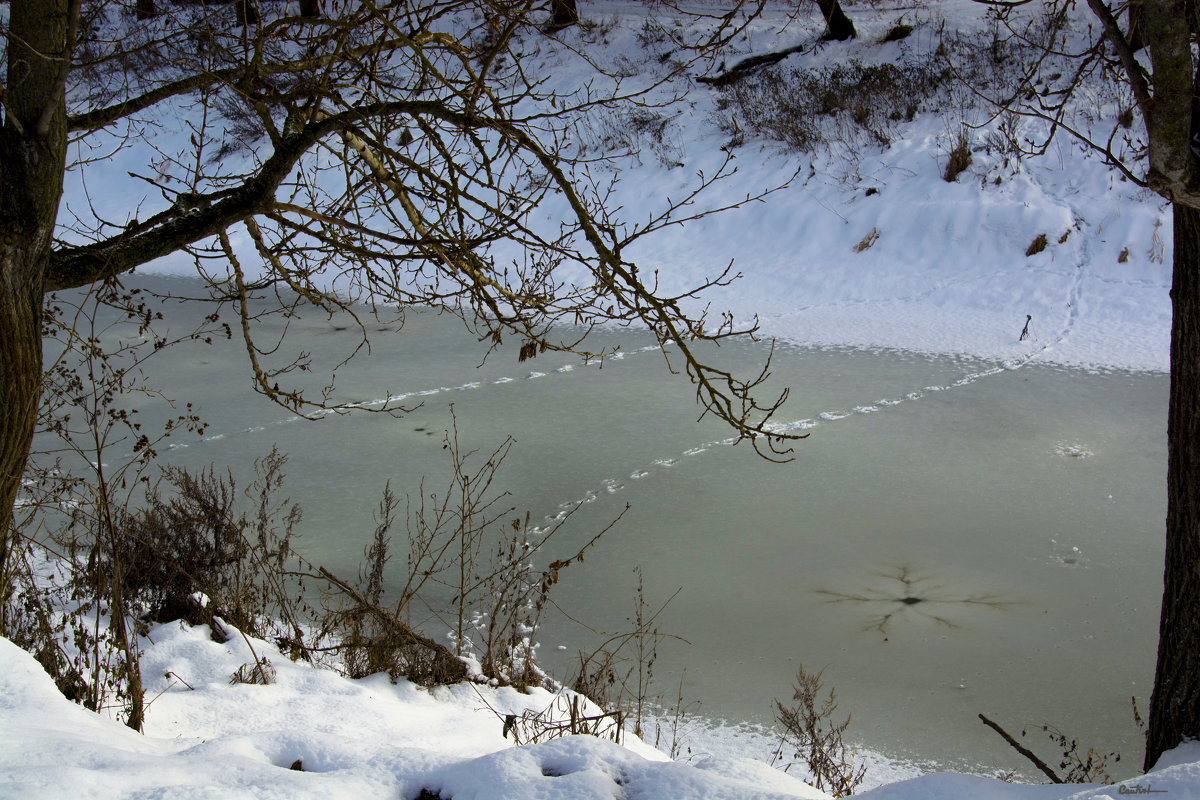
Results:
945 271
208 738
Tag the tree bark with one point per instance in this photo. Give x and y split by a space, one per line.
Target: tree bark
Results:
1175 703
837 25
563 14
1173 169
20 380
33 146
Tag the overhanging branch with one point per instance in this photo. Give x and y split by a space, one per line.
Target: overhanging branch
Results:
205 215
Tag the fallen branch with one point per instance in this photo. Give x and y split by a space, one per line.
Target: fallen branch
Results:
448 667
746 65
1037 762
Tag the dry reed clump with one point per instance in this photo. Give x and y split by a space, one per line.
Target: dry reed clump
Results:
960 157
1037 245
816 739
189 554
467 547
807 108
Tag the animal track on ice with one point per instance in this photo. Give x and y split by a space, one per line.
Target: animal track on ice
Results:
804 424
1067 555
1073 450
394 400
807 423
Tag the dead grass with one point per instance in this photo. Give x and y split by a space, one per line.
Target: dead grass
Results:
868 240
810 731
807 108
960 157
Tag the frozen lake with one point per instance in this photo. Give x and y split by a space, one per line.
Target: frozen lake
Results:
954 537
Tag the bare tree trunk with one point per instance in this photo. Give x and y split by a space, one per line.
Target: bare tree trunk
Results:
563 14
33 145
1175 704
20 378
837 25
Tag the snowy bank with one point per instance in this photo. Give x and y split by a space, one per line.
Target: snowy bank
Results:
374 739
352 739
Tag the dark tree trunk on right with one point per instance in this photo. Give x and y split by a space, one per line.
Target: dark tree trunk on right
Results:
1175 704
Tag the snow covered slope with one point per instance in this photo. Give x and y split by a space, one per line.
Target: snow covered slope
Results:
207 738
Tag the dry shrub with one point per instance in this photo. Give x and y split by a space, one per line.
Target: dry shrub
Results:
633 132
807 108
186 554
810 731
1037 245
261 673
477 557
619 672
1080 767
568 715
1006 139
1074 765
32 622
189 554
616 678
181 544
373 638
960 157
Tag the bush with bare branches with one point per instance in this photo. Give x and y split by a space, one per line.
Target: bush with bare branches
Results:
810 730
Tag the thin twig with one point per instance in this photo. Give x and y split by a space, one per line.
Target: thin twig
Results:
1037 762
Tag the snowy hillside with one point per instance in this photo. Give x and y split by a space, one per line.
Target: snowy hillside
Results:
860 242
